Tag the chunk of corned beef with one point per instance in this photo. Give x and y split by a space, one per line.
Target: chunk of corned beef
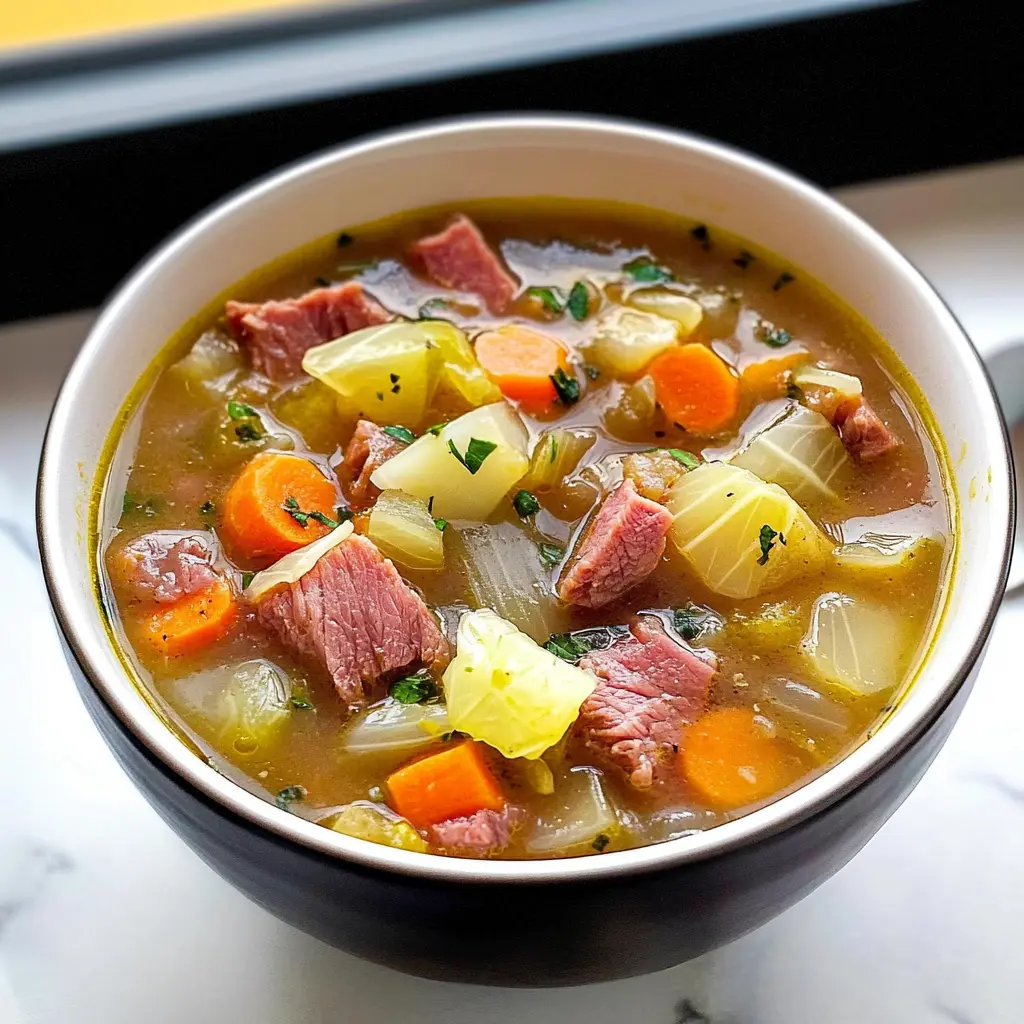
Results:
648 687
354 616
483 832
863 433
279 332
460 258
620 547
165 566
371 446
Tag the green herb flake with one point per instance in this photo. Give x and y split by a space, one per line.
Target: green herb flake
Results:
403 434
476 452
290 795
701 234
240 411
301 702
554 449
688 459
525 504
644 270
380 396
207 508
592 372
550 297
345 240
568 388
794 392
550 554
579 301
600 842
430 308
436 429
291 506
441 524
693 621
343 515
412 689
766 538
744 259
246 432
324 519
782 280
396 389
572 646
322 282
247 578
776 337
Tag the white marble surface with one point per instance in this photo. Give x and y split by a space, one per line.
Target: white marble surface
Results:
105 916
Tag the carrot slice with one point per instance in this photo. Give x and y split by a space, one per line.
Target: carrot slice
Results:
696 389
256 521
731 761
451 784
522 361
192 622
766 378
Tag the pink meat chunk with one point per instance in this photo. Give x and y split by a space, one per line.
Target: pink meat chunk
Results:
864 434
371 446
649 686
460 258
166 567
482 833
354 616
621 546
279 332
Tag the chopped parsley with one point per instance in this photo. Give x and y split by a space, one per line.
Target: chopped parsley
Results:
551 298
776 337
321 281
693 621
246 432
782 280
572 646
794 391
766 538
343 515
403 434
247 578
702 235
326 520
240 411
744 259
207 508
300 702
345 240
476 452
579 301
554 449
525 504
550 554
592 372
425 313
688 459
412 689
380 396
644 270
291 506
600 842
568 388
441 524
290 795
436 429
396 389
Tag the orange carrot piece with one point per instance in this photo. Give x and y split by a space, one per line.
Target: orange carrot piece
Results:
766 378
696 389
454 783
731 761
521 361
256 523
193 621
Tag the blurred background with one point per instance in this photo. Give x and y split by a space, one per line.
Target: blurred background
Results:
120 119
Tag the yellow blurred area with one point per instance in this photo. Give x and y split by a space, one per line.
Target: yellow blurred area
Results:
27 23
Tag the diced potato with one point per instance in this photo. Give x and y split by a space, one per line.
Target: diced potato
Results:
686 312
387 373
854 643
577 813
740 535
632 416
461 373
404 530
376 824
429 469
311 408
880 555
505 690
293 566
653 473
626 340
556 455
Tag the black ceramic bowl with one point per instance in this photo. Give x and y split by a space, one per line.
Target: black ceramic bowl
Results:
536 922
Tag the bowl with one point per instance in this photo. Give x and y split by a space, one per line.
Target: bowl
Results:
529 922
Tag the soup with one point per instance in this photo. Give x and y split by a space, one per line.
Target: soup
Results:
528 530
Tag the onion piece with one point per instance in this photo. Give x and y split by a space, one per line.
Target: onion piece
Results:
556 455
376 824
632 416
686 312
626 340
811 709
853 643
844 384
503 569
404 530
801 452
881 554
575 815
394 728
294 565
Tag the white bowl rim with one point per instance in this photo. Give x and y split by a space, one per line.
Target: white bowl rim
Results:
901 732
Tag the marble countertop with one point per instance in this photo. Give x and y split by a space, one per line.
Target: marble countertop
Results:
107 917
